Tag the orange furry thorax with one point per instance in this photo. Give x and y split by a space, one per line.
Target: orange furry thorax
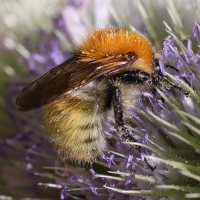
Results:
108 42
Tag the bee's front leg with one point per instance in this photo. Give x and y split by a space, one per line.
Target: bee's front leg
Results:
119 118
118 110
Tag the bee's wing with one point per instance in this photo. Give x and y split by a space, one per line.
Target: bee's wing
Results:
63 80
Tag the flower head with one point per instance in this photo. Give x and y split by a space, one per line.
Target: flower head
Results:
163 160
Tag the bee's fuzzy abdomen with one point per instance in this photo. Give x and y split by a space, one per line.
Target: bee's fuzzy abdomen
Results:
76 124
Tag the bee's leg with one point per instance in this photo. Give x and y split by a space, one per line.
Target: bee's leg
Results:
118 110
119 123
125 134
119 120
167 84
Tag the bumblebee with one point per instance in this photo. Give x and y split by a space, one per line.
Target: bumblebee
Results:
110 69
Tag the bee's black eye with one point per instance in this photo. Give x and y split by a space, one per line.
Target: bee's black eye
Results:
134 76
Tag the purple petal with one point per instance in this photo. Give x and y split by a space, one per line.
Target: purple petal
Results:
38 58
129 179
135 198
136 159
121 142
130 151
125 197
31 64
62 196
166 93
162 69
185 58
111 128
104 157
195 30
129 160
34 146
190 76
185 42
111 158
110 196
142 156
92 188
143 130
194 33
166 47
180 76
179 63
21 61
189 47
59 22
146 137
73 178
147 94
144 31
140 102
78 4
134 114
29 166
144 151
106 179
93 174
198 51
63 192
108 159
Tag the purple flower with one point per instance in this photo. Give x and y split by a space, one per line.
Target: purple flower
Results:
110 196
167 137
129 179
73 178
147 94
128 163
63 192
92 188
120 141
166 46
93 174
108 159
144 31
196 30
162 68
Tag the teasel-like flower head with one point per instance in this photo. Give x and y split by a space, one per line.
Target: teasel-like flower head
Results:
162 164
